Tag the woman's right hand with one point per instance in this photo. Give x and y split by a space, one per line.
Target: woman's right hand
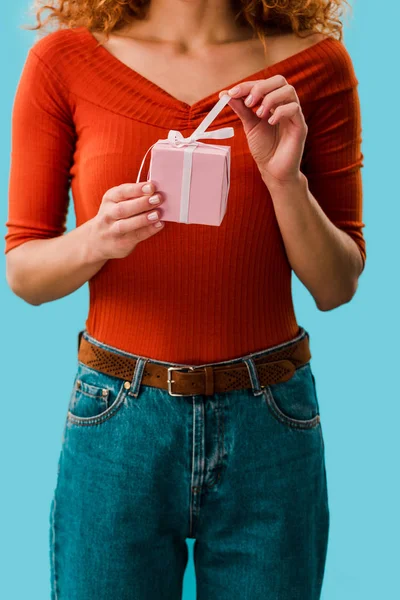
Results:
122 220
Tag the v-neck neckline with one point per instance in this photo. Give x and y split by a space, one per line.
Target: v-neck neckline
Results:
114 62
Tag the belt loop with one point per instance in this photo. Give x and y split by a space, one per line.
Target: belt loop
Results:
80 338
255 382
209 391
137 376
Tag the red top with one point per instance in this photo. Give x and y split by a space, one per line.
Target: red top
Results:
190 293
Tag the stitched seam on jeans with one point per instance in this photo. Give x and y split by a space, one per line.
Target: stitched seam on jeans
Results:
91 421
219 456
290 421
53 542
223 435
193 467
99 396
220 429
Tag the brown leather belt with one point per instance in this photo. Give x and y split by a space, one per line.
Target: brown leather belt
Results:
277 366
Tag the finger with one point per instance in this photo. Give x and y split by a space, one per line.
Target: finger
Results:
142 233
129 190
283 95
242 89
268 85
145 232
247 116
134 206
126 226
291 111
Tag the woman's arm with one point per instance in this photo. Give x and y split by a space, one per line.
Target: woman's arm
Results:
43 263
311 164
42 146
322 224
44 270
325 259
40 271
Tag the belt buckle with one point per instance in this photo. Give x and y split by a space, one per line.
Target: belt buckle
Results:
169 380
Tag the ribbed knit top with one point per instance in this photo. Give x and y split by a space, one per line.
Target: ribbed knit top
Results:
191 293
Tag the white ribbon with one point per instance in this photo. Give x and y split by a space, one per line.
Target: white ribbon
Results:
190 143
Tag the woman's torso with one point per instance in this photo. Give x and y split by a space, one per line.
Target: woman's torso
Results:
192 293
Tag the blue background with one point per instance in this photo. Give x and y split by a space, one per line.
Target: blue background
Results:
355 357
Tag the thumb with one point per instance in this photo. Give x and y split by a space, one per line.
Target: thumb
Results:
246 114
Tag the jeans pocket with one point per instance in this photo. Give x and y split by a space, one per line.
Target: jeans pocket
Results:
294 403
95 396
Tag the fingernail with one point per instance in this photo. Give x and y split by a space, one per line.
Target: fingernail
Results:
248 100
155 199
159 224
234 90
147 188
153 216
260 111
271 119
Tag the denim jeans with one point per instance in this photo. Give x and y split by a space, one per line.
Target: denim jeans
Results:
140 471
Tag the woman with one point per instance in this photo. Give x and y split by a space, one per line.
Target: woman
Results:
194 411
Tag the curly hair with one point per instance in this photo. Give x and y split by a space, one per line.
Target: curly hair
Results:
303 17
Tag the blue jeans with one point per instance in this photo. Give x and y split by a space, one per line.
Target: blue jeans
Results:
241 472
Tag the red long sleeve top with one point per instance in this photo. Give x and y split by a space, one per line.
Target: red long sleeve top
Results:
82 121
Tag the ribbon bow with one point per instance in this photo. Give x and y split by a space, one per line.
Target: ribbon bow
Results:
176 139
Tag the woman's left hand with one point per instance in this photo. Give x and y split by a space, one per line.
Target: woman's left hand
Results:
276 136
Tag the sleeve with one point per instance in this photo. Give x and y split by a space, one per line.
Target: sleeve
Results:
332 158
42 147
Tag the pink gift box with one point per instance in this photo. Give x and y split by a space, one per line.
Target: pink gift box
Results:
193 177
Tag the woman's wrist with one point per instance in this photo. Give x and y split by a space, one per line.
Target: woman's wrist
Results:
292 185
92 255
